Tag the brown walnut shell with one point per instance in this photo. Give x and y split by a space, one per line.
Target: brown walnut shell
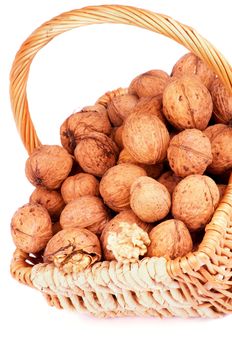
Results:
146 138
86 212
31 228
91 118
222 189
170 239
48 166
169 180
190 64
194 201
222 101
150 200
116 136
96 153
79 185
152 170
120 107
189 152
220 136
151 105
115 185
73 250
187 103
151 83
51 200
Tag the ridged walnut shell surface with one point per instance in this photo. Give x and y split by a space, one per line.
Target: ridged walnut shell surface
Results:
150 200
116 183
189 152
151 83
96 153
151 105
92 118
116 136
187 103
31 228
170 239
190 64
86 212
220 136
120 107
126 216
79 185
194 201
48 166
169 180
222 101
146 138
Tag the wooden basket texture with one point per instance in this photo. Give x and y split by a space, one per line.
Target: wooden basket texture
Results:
197 285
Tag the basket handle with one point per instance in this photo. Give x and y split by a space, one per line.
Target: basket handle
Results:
158 23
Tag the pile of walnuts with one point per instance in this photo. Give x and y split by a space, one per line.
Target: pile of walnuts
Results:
139 177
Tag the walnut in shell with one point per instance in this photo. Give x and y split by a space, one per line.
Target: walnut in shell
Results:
194 201
116 136
120 107
222 189
146 138
220 136
152 170
116 225
222 101
31 228
169 180
170 239
79 185
73 250
51 200
86 212
96 153
151 105
150 200
48 166
151 83
115 185
187 103
189 152
92 118
190 64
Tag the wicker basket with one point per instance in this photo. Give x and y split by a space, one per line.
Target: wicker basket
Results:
199 284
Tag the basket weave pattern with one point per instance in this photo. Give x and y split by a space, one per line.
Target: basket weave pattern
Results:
199 284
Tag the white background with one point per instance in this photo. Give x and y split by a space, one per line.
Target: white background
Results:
71 72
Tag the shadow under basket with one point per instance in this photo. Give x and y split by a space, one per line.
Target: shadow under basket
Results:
196 285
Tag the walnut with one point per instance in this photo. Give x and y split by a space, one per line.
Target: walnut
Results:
146 138
124 217
150 200
48 166
220 136
222 101
189 152
91 118
194 201
187 103
51 200
152 170
116 136
79 185
96 153
86 212
152 106
151 83
31 228
120 107
56 227
73 250
190 64
170 239
222 189
115 185
169 180
127 243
